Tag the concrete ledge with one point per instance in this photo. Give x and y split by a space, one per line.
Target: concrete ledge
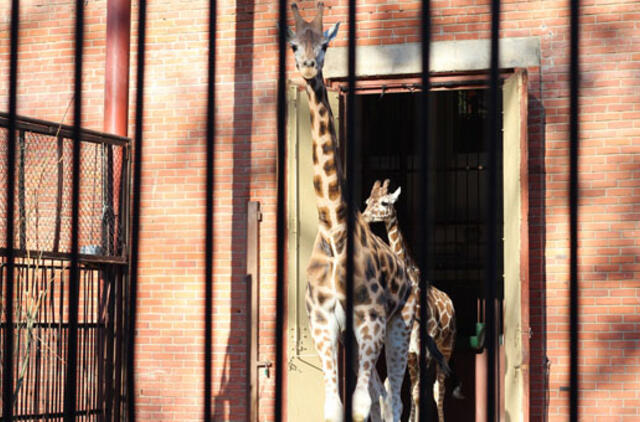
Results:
446 56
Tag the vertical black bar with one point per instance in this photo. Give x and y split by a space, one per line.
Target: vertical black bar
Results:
491 272
350 174
208 304
426 222
22 208
280 212
72 339
574 74
7 379
135 220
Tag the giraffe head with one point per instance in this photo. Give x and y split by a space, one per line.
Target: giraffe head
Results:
309 43
380 204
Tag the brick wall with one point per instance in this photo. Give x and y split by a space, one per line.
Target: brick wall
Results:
170 330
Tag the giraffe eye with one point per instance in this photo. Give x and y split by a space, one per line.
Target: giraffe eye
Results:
384 203
294 47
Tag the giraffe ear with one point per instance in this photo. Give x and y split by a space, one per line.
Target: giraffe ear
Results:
290 35
395 195
330 33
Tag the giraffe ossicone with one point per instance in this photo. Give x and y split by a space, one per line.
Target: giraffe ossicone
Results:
384 299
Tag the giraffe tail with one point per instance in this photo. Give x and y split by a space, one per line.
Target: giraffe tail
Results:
457 392
432 347
444 366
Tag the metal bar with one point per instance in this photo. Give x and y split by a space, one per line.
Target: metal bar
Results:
72 339
44 127
280 209
254 216
491 274
59 193
111 287
209 226
135 220
349 193
424 224
21 191
574 75
52 415
7 373
82 258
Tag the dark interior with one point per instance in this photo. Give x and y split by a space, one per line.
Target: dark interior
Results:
387 148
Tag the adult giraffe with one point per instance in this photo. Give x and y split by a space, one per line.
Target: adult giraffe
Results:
384 301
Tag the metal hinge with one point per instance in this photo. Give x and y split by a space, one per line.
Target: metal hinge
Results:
266 364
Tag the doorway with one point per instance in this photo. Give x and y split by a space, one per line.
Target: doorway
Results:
386 148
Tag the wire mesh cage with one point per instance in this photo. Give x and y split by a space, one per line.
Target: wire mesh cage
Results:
41 321
43 170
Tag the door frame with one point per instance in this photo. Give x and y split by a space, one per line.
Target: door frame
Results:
515 203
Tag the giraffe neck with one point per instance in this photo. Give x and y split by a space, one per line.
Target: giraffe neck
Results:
397 241
327 174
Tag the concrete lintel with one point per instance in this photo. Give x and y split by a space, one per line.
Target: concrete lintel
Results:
446 56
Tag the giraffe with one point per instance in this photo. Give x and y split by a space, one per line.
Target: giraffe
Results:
384 300
441 325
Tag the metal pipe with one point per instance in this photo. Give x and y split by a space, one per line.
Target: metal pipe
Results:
254 216
116 108
116 84
135 212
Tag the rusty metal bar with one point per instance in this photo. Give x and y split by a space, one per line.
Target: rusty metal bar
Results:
116 105
254 216
116 85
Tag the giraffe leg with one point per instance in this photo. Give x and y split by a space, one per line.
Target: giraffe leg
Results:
378 397
325 333
370 332
414 370
397 350
438 393
376 391
414 375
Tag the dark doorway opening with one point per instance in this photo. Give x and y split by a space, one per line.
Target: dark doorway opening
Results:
387 149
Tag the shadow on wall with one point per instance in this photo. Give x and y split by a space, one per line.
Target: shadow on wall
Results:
230 398
539 362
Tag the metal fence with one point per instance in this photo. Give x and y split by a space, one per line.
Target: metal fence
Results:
36 270
78 275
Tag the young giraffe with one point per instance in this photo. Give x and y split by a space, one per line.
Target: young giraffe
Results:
441 325
384 300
